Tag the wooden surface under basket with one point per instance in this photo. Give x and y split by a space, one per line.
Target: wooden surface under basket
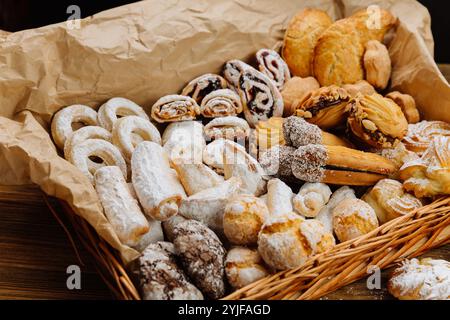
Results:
405 237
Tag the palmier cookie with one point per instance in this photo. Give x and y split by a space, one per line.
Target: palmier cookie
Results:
82 134
105 151
117 107
66 117
126 129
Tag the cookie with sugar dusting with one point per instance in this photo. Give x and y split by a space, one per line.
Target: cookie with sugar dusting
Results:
424 279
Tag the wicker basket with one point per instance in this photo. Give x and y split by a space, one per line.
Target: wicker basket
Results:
405 237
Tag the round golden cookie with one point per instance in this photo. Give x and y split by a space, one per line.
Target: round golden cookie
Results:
243 218
65 118
300 39
353 218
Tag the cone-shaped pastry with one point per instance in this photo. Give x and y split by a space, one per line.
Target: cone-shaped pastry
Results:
376 121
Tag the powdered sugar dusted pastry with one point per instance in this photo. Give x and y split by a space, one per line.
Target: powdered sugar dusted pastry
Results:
196 177
158 189
213 155
278 160
238 163
311 198
221 103
184 140
105 151
64 118
271 64
233 69
243 218
154 234
430 175
231 128
175 107
121 209
117 107
82 134
301 37
279 197
127 128
389 200
325 214
202 255
244 266
407 104
208 205
399 155
202 86
260 97
353 218
424 279
287 241
160 278
420 135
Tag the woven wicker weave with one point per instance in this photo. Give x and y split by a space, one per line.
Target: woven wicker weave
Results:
404 237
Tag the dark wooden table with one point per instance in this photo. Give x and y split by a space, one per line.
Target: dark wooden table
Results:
35 253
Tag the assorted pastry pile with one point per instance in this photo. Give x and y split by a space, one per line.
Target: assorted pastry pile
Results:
232 191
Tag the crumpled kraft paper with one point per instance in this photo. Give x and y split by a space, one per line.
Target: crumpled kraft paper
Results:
151 48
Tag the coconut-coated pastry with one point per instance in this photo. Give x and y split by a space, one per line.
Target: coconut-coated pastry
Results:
377 64
340 48
430 175
203 85
277 161
324 107
421 279
159 276
202 255
420 135
389 200
376 121
311 198
243 218
294 92
301 37
287 241
175 107
407 104
244 266
353 218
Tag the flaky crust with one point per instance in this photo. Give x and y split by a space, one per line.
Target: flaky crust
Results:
340 48
300 39
389 200
430 175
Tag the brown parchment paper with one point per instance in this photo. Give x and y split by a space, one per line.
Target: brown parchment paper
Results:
151 48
